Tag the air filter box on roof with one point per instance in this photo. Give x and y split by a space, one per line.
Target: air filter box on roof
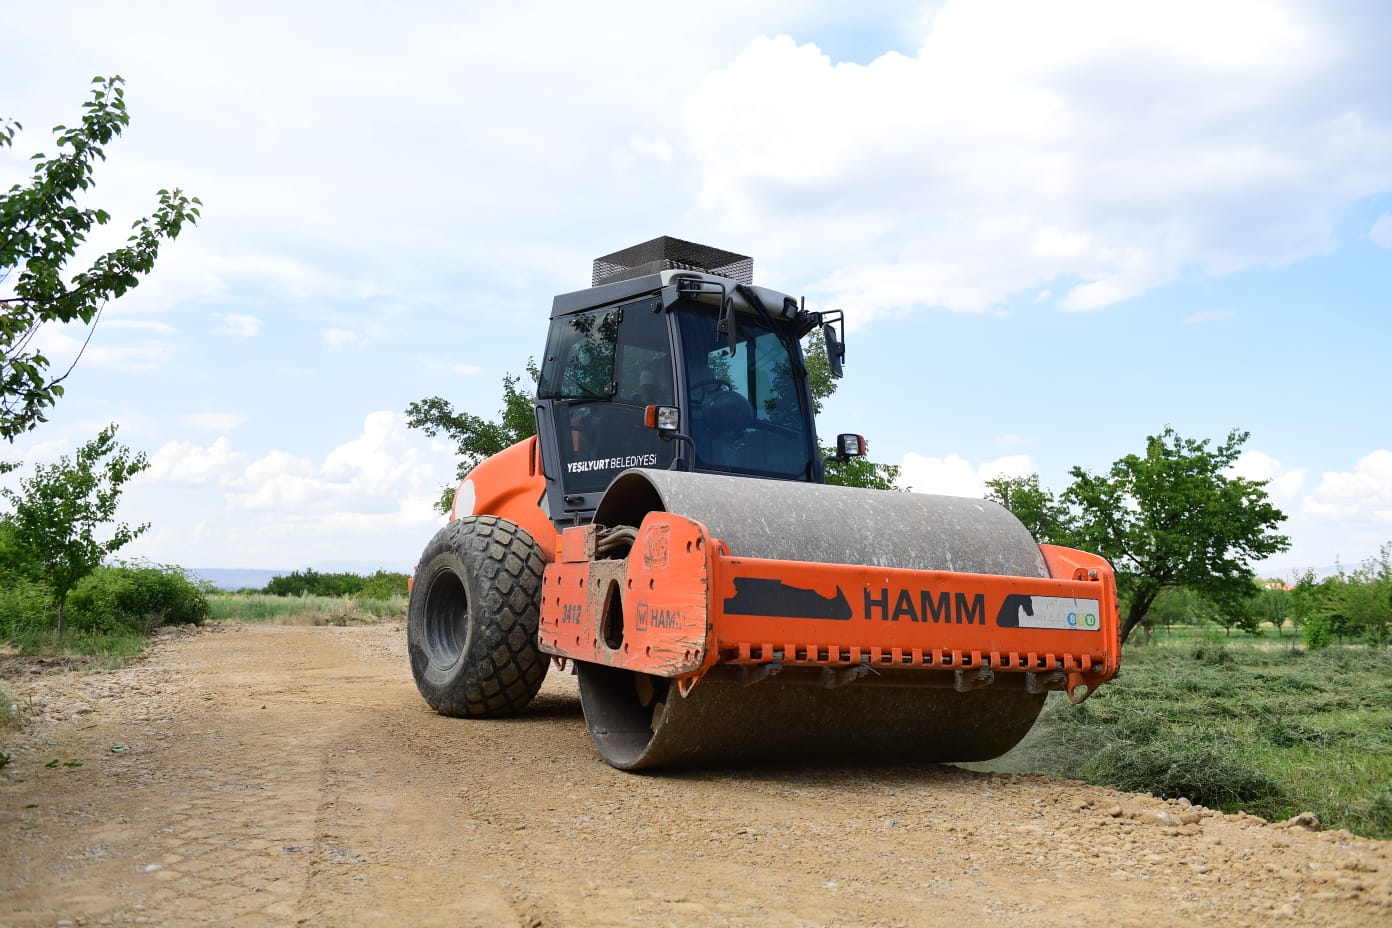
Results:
671 254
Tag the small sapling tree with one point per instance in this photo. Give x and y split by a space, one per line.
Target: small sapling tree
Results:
57 512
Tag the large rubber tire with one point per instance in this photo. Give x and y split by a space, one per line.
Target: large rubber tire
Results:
471 626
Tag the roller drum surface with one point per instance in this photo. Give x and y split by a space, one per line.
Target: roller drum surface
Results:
637 722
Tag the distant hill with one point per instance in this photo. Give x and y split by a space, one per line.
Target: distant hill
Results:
235 578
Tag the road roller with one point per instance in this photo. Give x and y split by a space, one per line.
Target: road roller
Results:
669 536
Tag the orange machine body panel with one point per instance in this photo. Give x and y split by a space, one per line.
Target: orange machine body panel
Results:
685 605
509 485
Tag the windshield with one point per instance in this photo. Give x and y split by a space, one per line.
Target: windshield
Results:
746 407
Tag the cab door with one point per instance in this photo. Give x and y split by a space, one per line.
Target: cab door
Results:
602 368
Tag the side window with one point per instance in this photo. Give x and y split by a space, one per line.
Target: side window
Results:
644 368
580 357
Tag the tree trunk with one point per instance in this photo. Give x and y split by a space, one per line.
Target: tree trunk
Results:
61 604
1140 605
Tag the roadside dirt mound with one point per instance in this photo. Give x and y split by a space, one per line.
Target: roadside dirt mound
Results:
292 775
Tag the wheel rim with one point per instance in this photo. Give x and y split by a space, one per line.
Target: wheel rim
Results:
446 619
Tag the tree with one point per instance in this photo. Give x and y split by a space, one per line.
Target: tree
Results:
41 228
1360 601
1175 517
1241 614
58 509
1272 604
856 472
1177 606
861 472
1305 598
1048 520
476 437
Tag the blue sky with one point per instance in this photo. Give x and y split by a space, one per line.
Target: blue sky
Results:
1055 229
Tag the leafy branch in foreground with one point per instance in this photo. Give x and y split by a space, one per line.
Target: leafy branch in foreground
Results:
41 228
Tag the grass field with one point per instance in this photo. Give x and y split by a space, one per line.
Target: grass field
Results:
304 610
1242 723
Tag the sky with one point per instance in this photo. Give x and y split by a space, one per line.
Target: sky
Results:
1055 229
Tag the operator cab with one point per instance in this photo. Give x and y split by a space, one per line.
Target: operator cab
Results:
678 326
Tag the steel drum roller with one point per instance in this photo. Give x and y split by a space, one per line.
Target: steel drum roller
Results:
642 722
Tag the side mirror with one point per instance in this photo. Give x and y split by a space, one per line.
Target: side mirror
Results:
727 325
835 349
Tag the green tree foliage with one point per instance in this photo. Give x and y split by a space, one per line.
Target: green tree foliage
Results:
1272 604
1355 603
57 511
861 472
1171 518
384 584
478 438
311 582
1047 519
1304 598
41 227
857 472
819 380
1174 516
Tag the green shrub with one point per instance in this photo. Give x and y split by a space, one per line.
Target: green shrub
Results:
135 598
1317 632
25 607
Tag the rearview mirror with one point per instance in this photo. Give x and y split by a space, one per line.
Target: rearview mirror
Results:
835 349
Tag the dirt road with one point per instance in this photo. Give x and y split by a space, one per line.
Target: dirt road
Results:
292 776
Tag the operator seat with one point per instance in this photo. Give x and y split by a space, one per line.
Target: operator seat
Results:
725 416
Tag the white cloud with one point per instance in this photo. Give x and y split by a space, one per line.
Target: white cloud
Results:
1381 232
1093 148
142 325
1363 494
339 338
213 421
1282 484
371 495
1213 315
239 324
1345 517
956 476
106 349
187 464
641 148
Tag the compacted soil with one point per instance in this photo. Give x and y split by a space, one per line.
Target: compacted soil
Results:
248 775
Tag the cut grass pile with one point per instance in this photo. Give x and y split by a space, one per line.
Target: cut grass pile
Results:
1233 725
